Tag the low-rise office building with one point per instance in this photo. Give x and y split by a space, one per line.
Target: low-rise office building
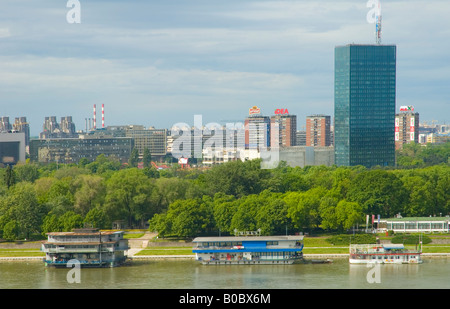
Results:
71 150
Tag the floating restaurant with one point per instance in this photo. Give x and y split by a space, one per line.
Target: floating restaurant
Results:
88 247
385 254
249 249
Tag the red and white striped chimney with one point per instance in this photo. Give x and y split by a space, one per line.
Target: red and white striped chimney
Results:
95 118
103 115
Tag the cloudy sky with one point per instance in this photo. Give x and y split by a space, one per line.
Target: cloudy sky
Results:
160 62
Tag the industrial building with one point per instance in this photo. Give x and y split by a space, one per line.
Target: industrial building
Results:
302 156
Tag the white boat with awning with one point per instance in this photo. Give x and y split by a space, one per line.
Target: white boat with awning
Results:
384 253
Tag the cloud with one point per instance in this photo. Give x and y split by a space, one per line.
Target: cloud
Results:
178 58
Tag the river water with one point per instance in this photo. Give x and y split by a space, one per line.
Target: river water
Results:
433 273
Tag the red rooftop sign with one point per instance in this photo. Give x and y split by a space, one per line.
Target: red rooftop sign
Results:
281 111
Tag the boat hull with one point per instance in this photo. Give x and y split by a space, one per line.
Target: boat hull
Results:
255 262
384 261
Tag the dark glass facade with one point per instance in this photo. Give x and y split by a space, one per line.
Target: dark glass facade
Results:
364 105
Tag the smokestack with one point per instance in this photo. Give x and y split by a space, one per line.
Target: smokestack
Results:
103 116
95 120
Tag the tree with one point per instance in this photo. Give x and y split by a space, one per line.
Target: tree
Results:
147 158
10 178
97 218
272 217
185 218
349 214
50 224
245 217
21 205
134 158
128 196
378 192
236 178
304 207
69 221
11 231
26 172
225 206
90 192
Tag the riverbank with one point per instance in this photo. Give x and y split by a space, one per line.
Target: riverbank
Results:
146 248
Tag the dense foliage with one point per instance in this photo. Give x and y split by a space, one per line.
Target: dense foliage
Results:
36 199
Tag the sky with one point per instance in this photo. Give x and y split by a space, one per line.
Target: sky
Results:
160 62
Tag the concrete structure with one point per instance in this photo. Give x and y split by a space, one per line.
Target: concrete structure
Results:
12 148
20 125
302 156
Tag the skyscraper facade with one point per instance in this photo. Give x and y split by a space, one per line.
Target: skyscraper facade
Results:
364 105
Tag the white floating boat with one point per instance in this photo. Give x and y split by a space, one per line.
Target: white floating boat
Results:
384 253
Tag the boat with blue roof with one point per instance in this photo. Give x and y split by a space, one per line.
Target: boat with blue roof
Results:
248 250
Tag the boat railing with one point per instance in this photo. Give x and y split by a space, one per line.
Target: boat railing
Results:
383 251
241 247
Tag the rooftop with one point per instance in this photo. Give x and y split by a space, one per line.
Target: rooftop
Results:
247 238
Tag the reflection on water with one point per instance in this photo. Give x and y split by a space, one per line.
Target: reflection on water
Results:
189 274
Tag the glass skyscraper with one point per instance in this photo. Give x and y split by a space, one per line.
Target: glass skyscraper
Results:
364 105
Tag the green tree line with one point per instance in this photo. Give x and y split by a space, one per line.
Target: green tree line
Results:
36 199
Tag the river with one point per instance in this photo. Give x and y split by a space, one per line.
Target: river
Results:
433 273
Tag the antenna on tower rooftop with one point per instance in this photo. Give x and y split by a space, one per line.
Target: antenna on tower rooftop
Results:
378 23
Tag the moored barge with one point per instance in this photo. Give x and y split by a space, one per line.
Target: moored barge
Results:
88 247
249 250
384 253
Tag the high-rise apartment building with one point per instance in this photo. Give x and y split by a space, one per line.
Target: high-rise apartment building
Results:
364 103
5 126
257 130
52 129
318 130
286 126
406 127
21 125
